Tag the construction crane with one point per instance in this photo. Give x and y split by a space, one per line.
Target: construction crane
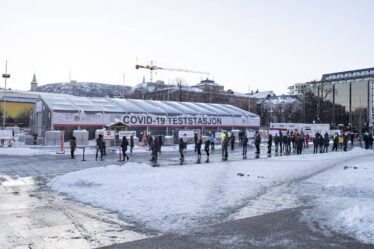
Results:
153 68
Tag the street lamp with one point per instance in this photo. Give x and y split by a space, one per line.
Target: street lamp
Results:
5 76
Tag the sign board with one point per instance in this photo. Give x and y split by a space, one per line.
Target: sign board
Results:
148 120
126 134
109 135
186 133
6 134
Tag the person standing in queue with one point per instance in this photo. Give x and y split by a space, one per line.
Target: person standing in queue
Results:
182 147
223 137
195 141
124 145
211 139
99 146
326 142
131 143
257 143
225 148
73 146
245 146
270 143
315 143
199 142
232 140
155 149
299 144
276 142
206 148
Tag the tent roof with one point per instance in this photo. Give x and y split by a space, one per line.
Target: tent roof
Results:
65 102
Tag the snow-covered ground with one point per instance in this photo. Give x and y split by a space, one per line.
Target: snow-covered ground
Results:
345 199
180 198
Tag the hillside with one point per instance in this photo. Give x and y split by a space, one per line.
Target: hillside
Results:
88 89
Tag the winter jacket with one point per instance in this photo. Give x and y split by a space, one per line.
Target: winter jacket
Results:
258 139
124 144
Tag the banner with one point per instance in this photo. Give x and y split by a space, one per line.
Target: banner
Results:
149 120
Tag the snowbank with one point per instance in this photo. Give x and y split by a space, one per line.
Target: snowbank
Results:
179 198
345 199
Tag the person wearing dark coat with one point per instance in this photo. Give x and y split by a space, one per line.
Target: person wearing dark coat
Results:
195 141
206 148
326 142
299 144
131 143
245 145
232 140
257 143
199 142
270 143
281 141
276 142
124 145
104 148
182 146
315 143
321 143
99 146
225 148
155 149
73 146
370 141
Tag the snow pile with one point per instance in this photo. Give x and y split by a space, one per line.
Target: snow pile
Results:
179 198
345 198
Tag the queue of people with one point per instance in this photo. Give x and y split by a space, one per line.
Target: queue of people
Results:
285 142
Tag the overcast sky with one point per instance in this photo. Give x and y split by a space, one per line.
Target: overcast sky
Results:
265 45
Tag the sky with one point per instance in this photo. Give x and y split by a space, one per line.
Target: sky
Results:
242 44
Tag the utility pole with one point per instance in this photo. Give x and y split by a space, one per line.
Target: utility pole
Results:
5 76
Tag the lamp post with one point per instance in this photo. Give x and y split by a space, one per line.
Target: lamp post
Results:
5 76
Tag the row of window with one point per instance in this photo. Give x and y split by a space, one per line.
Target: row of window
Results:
351 74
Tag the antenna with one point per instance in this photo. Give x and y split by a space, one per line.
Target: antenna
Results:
69 74
124 85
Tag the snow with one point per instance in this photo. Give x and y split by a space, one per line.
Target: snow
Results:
14 151
345 199
175 198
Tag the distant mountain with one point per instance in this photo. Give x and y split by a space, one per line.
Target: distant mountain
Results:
87 89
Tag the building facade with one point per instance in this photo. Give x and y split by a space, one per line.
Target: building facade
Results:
342 99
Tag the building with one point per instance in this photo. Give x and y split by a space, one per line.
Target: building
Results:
18 106
342 99
281 109
297 89
207 91
68 112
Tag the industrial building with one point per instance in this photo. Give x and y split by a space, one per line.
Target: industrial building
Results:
68 112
